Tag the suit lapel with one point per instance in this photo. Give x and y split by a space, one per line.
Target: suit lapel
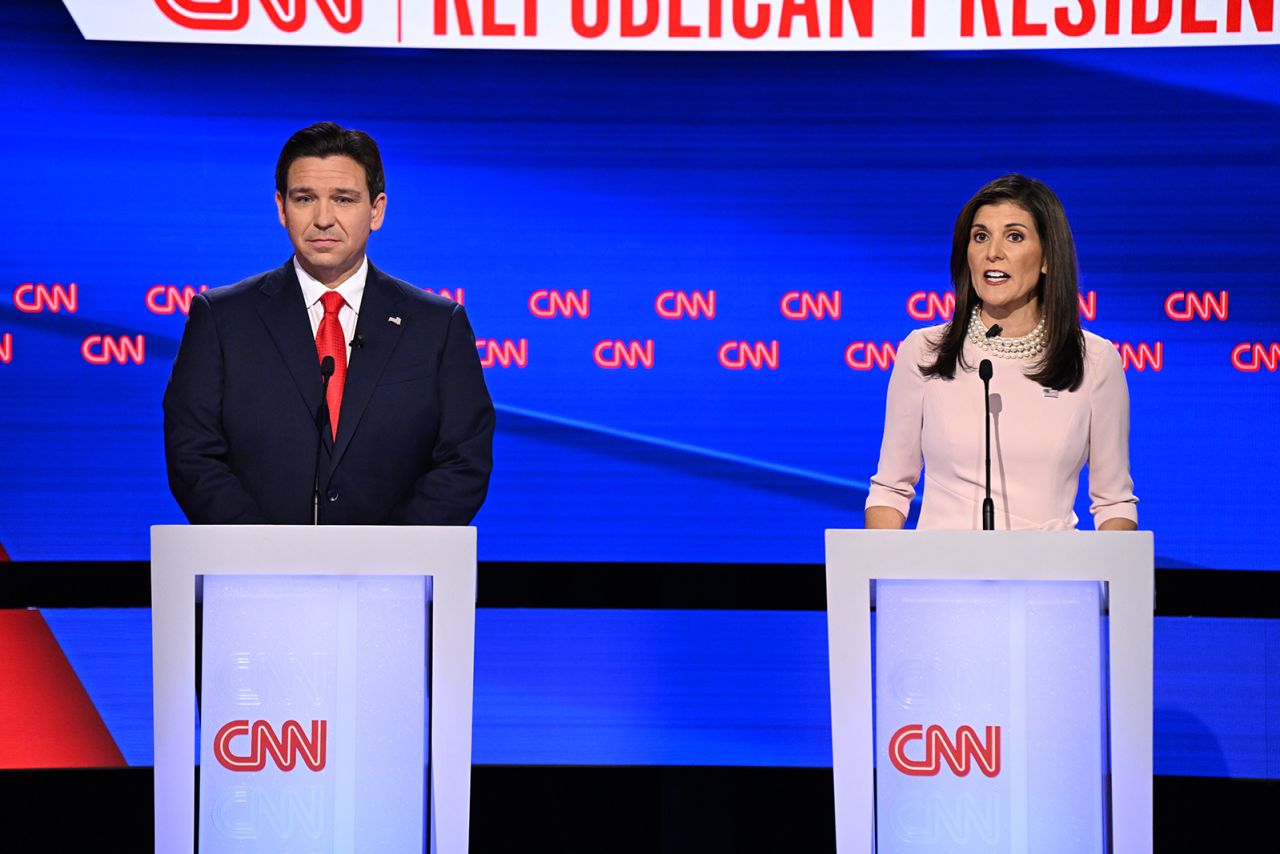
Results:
285 316
379 337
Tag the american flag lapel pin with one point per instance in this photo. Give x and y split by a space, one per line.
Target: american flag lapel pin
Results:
395 318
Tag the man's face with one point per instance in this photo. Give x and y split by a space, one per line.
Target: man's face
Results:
328 213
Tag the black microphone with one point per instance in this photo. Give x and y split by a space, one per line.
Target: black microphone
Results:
994 331
322 424
357 342
988 506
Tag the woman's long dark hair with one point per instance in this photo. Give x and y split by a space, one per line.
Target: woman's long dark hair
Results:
1062 364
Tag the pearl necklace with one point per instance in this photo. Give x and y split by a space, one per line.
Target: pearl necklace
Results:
1026 347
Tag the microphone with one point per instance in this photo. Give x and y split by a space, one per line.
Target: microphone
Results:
357 341
994 331
988 506
322 424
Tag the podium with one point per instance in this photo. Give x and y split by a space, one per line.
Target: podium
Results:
1003 701
336 686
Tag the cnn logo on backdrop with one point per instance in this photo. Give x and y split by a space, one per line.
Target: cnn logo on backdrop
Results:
344 16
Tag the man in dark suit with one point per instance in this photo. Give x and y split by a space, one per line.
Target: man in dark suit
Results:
405 432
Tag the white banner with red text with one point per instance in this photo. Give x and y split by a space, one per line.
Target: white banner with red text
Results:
753 25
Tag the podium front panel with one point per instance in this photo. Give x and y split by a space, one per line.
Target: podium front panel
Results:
989 702
313 708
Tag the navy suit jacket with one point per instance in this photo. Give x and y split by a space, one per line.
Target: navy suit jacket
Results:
415 434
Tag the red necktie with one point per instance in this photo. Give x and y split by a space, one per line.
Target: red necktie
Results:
331 342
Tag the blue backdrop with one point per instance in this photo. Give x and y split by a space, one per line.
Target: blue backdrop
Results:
626 175
753 175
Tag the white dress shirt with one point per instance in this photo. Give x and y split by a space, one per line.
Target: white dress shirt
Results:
352 290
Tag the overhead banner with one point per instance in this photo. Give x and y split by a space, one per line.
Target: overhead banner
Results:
773 25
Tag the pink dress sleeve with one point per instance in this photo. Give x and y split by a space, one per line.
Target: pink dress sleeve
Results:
894 483
1110 485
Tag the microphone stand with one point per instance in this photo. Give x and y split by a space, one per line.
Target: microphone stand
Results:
988 506
322 424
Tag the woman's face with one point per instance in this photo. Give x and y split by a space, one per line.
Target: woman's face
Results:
1006 259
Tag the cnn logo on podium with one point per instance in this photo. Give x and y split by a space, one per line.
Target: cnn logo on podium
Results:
966 750
284 747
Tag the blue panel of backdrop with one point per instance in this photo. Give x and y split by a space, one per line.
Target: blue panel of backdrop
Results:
619 687
627 175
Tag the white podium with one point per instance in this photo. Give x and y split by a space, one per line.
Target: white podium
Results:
337 687
1003 702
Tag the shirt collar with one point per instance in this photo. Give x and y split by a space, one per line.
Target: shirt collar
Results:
352 288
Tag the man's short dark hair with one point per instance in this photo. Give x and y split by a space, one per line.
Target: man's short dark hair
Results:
326 139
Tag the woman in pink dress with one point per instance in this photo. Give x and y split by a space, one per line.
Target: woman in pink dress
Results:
1058 394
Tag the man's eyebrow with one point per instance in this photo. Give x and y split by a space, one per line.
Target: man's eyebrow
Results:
337 191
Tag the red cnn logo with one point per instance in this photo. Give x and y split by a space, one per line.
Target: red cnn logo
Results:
615 354
33 297
6 348
284 749
345 16
676 304
736 355
166 299
862 355
455 294
931 305
105 349
547 304
505 353
801 305
1185 305
1258 356
938 746
1141 356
